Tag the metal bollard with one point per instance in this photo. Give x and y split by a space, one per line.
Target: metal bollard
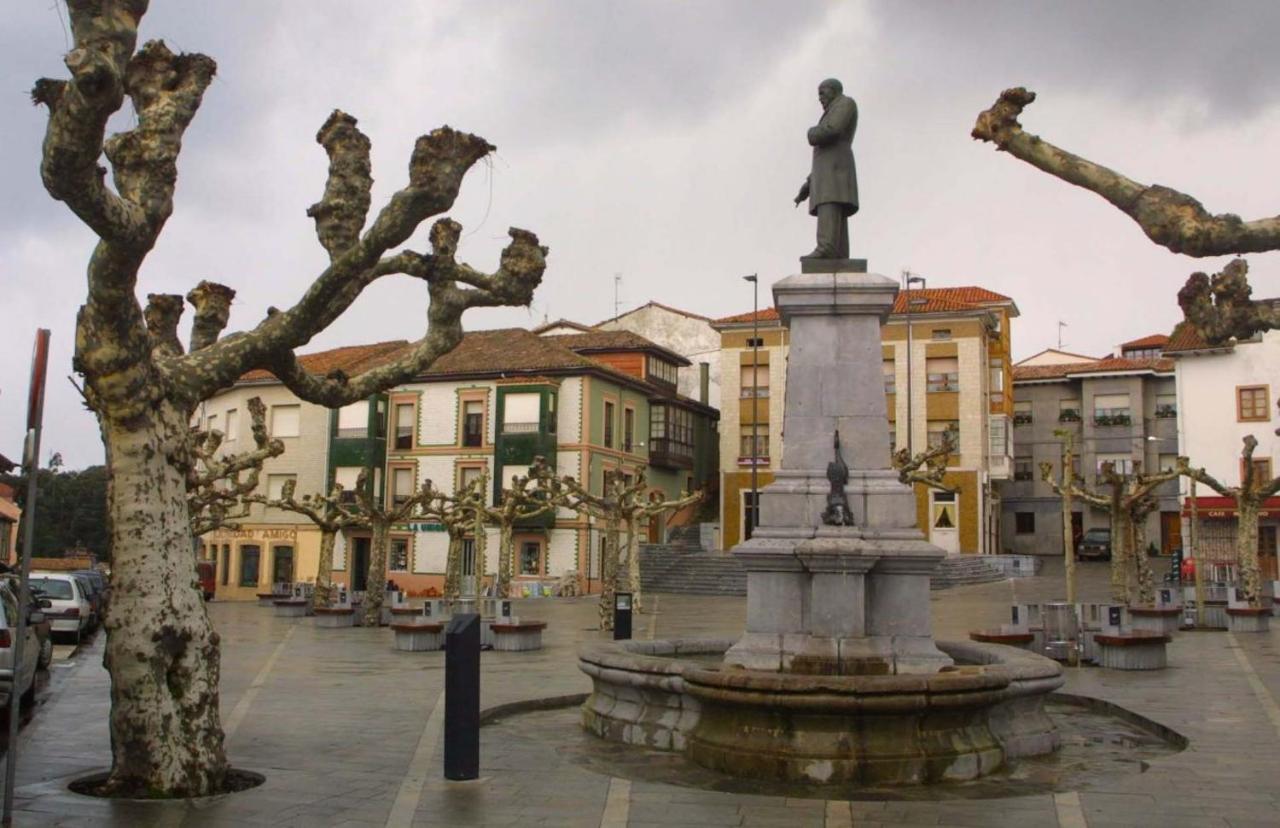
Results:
462 697
621 616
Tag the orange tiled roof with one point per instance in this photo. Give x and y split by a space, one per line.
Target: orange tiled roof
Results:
936 300
350 359
1186 337
765 315
620 340
1109 365
1151 341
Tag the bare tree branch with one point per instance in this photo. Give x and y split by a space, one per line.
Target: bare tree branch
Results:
162 314
1169 218
340 214
1220 306
212 302
216 490
928 467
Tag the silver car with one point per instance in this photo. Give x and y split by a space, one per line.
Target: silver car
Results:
69 612
30 650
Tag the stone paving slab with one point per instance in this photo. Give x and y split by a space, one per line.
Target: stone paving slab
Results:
336 726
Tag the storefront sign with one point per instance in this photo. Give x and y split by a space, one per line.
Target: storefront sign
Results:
258 534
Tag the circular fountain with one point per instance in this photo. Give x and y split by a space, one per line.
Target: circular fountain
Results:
837 678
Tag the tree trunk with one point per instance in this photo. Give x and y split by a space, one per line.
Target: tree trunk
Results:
453 565
1247 549
506 559
481 545
609 574
161 652
1068 539
1142 565
323 594
633 563
1119 555
376 582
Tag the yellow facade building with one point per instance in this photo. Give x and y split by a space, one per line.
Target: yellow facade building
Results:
947 368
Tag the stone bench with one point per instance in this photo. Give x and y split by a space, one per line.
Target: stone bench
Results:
1137 650
268 599
518 636
1248 619
1215 615
291 607
334 617
410 615
1165 620
1022 640
416 638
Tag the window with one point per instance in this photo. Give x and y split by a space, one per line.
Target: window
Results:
353 420
997 376
1167 462
1111 409
1261 469
890 369
282 565
608 424
347 477
1024 523
250 557
943 373
1252 403
530 558
233 424
755 342
398 555
404 425
473 421
1022 412
1069 411
226 564
941 334
520 413
893 438
276 483
213 423
1022 468
998 435
468 475
401 485
1166 406
755 382
662 371
1121 463
628 428
468 560
941 431
671 431
760 449
285 420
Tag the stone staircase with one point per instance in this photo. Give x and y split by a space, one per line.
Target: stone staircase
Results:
686 569
956 570
687 537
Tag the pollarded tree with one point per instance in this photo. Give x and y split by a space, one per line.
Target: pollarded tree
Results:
929 467
217 495
1249 496
161 651
524 499
331 513
380 517
637 512
1219 306
607 507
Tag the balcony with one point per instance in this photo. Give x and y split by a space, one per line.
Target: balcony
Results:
1112 417
1166 412
670 454
1069 415
1022 418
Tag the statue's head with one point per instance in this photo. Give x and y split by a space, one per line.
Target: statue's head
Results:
828 90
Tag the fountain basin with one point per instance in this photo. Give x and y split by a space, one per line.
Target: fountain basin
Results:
957 724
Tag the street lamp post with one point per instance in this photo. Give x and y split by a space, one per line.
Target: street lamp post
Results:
910 279
754 511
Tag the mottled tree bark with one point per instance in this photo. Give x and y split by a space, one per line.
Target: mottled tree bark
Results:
161 653
322 595
376 580
506 560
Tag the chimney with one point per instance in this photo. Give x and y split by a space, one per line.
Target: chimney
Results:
704 383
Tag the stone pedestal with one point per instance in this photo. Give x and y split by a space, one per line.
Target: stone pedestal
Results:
840 600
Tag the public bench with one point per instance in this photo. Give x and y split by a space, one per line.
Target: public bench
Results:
1165 620
1248 619
517 636
334 617
416 638
291 607
1135 650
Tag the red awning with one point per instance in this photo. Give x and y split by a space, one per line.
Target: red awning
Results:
1225 507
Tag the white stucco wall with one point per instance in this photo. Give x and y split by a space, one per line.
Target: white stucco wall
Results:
691 337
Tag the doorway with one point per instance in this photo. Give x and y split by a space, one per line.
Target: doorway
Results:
282 565
1267 551
360 564
944 521
1170 532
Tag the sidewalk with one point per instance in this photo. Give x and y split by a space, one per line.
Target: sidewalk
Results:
346 730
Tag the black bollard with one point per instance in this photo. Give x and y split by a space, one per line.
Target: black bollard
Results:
621 616
462 697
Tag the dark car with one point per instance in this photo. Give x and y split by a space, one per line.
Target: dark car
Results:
1096 544
205 571
96 598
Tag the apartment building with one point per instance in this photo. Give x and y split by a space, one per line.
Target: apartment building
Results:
1122 410
690 335
947 374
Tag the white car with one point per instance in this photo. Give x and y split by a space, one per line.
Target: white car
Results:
69 612
30 651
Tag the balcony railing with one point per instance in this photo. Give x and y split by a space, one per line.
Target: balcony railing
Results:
1069 415
749 392
519 428
1166 412
944 382
663 451
1112 417
1022 418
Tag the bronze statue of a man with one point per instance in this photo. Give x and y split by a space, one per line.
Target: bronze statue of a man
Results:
832 185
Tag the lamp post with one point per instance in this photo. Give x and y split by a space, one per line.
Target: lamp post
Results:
910 279
754 511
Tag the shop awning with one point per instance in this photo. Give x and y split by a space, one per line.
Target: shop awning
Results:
1225 507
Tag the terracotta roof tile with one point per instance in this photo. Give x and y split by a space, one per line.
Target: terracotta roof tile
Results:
351 359
562 323
1150 341
936 300
620 340
652 304
1109 365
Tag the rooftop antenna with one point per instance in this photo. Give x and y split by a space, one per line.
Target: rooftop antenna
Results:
617 281
1061 325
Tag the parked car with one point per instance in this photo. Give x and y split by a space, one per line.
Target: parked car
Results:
25 685
44 629
95 597
69 610
99 580
205 572
1096 543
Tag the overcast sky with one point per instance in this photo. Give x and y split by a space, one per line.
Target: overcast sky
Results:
663 141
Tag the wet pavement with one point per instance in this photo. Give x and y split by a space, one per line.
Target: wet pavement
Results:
347 732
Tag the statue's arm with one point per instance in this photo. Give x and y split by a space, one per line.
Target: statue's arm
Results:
834 122
804 192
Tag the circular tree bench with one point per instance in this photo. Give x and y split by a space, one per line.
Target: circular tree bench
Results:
1164 620
333 617
1215 615
291 607
1022 640
1136 650
517 636
416 638
268 599
1248 619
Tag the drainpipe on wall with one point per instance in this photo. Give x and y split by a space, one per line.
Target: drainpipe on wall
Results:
704 383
